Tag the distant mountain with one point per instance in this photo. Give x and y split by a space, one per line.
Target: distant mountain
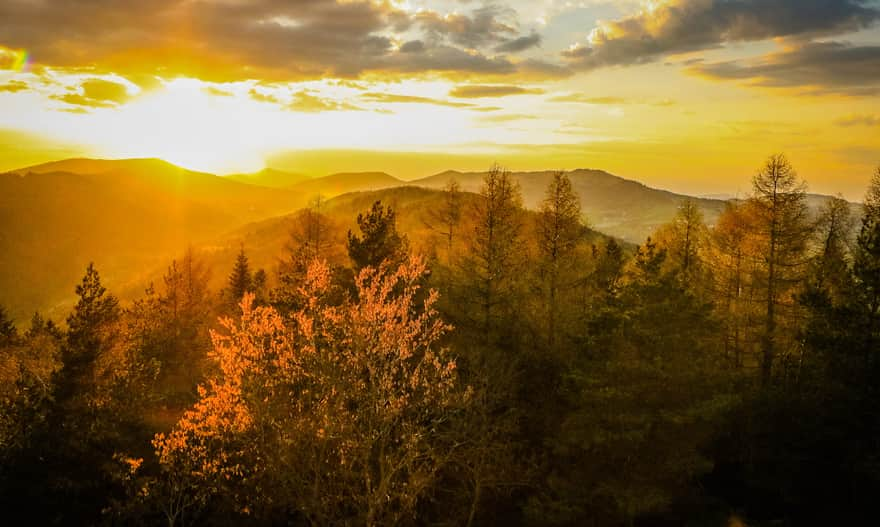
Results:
613 205
269 177
132 216
126 216
342 183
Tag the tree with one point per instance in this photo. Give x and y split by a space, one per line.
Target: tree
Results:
778 205
446 220
559 231
335 417
88 332
866 270
731 260
495 250
8 331
379 241
684 239
241 280
829 271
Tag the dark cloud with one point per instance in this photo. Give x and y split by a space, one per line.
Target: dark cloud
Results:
519 44
472 91
413 46
96 93
274 40
823 67
486 25
678 26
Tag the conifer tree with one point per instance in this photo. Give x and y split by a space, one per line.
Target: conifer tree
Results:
779 210
496 249
379 241
559 231
241 280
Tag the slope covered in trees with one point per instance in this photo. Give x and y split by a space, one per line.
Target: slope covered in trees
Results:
445 357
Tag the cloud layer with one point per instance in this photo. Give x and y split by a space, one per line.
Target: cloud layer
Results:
679 26
266 39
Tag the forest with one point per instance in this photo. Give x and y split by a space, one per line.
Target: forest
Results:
514 366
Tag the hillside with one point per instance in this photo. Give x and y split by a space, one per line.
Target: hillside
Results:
269 177
126 216
132 216
613 205
342 183
265 241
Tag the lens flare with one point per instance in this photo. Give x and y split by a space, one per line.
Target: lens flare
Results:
21 61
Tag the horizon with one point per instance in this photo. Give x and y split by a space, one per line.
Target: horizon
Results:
681 94
741 192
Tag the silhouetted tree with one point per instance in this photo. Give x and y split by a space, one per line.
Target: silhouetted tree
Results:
241 280
559 230
779 218
379 241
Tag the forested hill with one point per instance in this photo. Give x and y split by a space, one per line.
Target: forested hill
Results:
613 205
131 215
414 356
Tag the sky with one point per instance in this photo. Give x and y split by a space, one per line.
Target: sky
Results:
689 95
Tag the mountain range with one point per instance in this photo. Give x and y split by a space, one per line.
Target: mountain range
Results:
132 216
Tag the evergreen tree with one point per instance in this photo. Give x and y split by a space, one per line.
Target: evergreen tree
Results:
241 280
8 332
866 269
87 329
379 241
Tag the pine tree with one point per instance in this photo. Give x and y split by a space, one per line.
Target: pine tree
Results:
95 311
241 280
866 269
8 332
379 241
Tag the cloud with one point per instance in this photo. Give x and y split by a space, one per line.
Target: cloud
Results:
506 118
586 99
96 93
677 26
305 102
13 86
859 120
301 101
487 25
411 99
582 98
824 67
271 40
473 91
519 44
217 92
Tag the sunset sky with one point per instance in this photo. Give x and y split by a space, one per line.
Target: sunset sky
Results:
689 95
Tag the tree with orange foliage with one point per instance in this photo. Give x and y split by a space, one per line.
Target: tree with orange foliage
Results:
333 415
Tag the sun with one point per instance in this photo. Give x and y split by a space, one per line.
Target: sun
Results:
180 124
